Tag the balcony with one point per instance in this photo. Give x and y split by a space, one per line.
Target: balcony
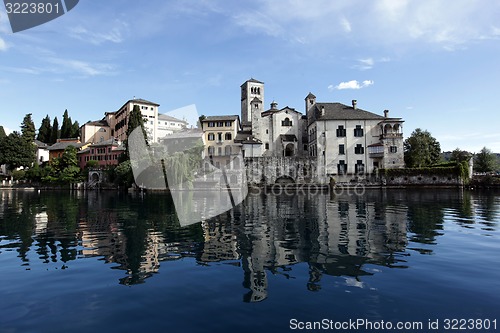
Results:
391 136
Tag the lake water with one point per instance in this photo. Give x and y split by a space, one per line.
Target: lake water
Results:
112 262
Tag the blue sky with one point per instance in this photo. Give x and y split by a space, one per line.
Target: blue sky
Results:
433 63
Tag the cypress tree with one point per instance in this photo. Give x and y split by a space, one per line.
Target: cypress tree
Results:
66 126
134 120
28 128
54 133
44 130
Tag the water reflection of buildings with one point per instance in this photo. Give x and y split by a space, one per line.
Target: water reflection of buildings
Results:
335 236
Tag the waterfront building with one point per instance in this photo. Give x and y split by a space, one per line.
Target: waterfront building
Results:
168 125
42 152
106 153
96 131
57 149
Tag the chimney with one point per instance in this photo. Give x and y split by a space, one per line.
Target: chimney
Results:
354 104
386 113
322 110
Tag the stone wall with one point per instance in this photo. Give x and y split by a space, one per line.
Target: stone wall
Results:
422 180
270 170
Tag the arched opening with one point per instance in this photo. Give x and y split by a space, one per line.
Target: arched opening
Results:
387 128
283 180
95 177
289 150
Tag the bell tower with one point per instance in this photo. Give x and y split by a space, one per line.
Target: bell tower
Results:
251 90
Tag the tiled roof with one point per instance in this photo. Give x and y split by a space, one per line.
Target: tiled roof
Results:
334 111
101 122
65 144
40 144
246 137
165 117
143 101
255 81
216 118
272 111
110 142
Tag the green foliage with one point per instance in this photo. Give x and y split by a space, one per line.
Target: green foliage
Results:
63 169
16 152
91 164
460 170
75 130
459 155
421 149
124 175
66 126
485 161
2 133
54 133
135 120
44 130
19 174
28 128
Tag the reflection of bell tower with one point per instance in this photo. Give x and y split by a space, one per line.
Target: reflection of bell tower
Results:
251 90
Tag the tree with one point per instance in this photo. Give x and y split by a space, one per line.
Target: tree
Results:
54 133
485 161
44 130
69 161
66 126
16 152
28 129
75 130
459 155
2 133
135 120
421 149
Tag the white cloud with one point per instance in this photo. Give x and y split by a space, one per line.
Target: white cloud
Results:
345 24
114 34
364 64
81 67
353 84
7 130
385 22
3 45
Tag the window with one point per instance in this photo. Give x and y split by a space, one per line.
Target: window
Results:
228 136
211 124
341 132
211 136
359 149
211 150
267 131
151 122
219 151
256 105
286 122
341 149
228 123
358 131
227 150
102 130
219 137
220 124
359 167
172 124
341 167
393 149
267 145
